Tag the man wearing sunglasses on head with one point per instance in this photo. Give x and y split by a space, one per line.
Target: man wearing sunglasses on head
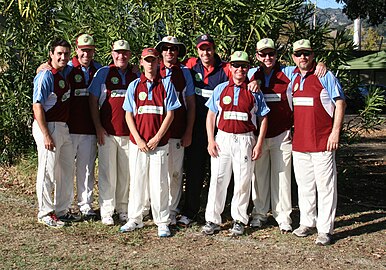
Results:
319 107
182 126
272 183
238 114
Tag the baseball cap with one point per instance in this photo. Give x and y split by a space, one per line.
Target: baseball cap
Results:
85 41
205 39
265 43
173 41
147 52
121 45
303 44
239 56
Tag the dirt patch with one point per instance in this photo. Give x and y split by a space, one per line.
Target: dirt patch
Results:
359 239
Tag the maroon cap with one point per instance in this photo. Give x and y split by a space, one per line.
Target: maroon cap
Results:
205 39
147 52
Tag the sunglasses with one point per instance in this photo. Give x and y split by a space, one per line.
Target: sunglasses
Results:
171 48
270 54
305 53
235 65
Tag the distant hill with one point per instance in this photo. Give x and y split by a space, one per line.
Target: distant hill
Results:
339 20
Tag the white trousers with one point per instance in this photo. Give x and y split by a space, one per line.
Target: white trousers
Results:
235 155
114 178
176 161
54 170
272 181
84 147
316 178
149 173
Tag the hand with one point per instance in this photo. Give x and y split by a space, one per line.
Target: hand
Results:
333 141
213 149
49 142
153 143
186 139
44 66
256 152
254 86
320 70
135 68
142 146
101 133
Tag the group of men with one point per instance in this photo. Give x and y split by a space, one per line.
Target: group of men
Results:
147 125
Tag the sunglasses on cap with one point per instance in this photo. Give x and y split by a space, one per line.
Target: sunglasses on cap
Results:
171 48
236 65
300 53
270 54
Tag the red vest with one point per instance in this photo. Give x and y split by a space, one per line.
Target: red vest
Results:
150 114
80 121
178 126
280 117
111 112
312 124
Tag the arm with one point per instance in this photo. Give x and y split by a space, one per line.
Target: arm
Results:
321 69
153 142
43 66
256 152
41 119
94 109
133 130
213 148
333 139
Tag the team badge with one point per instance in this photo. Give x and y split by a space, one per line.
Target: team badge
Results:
296 87
78 78
140 109
66 96
198 91
114 80
227 100
77 92
62 84
121 43
142 96
198 77
85 39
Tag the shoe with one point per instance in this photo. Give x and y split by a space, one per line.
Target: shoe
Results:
51 220
163 231
302 231
130 226
323 239
184 221
173 219
285 228
108 221
88 214
210 228
237 229
256 223
69 217
122 217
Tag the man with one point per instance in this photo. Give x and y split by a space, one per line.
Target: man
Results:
207 71
235 109
318 115
149 105
80 123
108 89
182 126
51 103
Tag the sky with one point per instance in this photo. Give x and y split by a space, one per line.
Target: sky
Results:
327 4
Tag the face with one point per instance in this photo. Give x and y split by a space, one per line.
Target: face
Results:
150 64
239 70
303 59
267 57
121 58
169 53
206 53
85 56
60 57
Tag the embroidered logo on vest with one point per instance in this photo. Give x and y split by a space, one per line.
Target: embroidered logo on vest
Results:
114 80
78 78
198 77
62 84
227 100
142 96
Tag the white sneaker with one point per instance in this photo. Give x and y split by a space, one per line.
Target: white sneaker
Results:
52 221
130 226
303 231
108 221
323 239
163 231
184 221
285 228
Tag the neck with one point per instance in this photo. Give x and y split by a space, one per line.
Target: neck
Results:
169 64
150 75
57 68
238 81
209 64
